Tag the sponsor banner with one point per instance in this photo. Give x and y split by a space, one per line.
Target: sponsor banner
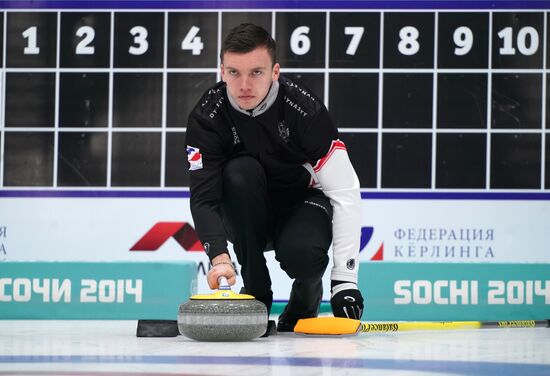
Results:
157 228
455 230
455 292
95 290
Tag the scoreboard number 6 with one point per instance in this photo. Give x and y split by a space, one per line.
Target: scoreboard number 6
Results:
192 41
299 41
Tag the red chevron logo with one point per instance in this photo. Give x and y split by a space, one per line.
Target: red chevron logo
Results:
182 232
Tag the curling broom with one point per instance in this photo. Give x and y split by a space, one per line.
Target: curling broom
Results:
342 326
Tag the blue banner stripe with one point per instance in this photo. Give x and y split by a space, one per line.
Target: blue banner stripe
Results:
378 195
457 367
275 4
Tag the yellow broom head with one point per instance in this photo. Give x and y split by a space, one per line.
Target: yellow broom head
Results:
327 326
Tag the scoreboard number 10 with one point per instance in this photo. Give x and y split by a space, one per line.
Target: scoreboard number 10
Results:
507 35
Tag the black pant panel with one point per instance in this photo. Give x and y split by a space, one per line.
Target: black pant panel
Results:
302 237
298 223
244 210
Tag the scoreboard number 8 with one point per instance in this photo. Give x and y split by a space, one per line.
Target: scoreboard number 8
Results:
408 45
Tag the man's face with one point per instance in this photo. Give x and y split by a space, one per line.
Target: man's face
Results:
249 76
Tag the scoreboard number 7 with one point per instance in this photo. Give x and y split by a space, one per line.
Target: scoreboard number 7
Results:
356 33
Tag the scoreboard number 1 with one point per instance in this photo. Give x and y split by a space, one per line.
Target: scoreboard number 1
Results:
32 48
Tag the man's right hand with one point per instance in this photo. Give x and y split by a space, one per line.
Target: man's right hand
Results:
221 267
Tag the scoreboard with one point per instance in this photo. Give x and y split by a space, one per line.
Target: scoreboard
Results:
448 99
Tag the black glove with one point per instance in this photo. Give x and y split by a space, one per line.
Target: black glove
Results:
346 300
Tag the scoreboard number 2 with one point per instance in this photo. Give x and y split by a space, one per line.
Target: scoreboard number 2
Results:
87 34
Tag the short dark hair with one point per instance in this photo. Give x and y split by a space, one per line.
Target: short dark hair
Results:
247 37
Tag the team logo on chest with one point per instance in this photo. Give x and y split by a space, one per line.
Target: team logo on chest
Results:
236 138
284 132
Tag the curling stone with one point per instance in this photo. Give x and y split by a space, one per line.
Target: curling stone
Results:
222 316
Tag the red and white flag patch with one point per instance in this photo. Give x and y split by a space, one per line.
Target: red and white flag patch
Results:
194 157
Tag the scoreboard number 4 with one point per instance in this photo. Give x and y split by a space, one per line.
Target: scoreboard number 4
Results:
192 41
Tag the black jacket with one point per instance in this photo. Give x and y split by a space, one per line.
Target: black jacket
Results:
288 136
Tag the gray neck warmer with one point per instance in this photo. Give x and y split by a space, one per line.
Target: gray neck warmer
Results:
263 106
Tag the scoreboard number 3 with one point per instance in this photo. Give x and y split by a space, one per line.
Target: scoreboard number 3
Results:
140 38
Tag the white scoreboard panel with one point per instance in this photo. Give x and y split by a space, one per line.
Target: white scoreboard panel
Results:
423 99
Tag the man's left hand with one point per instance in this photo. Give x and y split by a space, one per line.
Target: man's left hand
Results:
346 300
